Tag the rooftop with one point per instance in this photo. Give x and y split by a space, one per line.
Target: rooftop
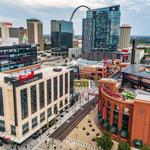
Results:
137 70
84 62
44 69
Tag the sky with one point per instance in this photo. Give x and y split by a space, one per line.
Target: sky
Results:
136 13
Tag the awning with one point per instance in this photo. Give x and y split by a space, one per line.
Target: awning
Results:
124 134
100 120
114 130
106 124
138 143
99 115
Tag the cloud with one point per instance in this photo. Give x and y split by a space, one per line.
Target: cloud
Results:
132 11
135 5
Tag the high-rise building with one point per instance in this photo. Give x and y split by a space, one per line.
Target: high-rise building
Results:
9 35
61 35
101 29
35 32
17 56
125 31
31 98
23 38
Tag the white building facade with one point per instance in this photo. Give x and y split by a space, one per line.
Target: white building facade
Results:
124 41
74 51
29 102
8 35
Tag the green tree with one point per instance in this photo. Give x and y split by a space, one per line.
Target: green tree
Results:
104 141
145 147
123 146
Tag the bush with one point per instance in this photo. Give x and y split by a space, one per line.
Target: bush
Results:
123 146
145 147
104 141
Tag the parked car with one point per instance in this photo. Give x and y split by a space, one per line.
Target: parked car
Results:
36 135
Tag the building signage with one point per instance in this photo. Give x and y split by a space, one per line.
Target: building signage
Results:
112 94
25 79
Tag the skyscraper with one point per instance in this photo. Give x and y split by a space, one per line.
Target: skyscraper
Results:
125 31
23 38
61 35
35 32
101 29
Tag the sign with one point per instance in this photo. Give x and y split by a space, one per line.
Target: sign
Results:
125 51
112 94
22 80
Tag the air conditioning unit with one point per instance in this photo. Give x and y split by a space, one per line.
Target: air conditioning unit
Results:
57 69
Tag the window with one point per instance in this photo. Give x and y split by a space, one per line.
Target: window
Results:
66 101
2 126
55 88
34 122
13 130
55 109
33 99
66 83
71 81
41 93
49 112
60 85
60 105
42 117
25 128
49 91
1 103
24 103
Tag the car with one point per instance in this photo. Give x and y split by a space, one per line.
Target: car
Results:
36 135
61 116
5 141
44 129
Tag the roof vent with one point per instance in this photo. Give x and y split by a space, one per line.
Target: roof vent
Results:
57 69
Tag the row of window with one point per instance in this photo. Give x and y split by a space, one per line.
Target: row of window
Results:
1 103
24 97
25 127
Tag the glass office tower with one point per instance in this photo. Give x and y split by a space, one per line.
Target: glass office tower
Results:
61 35
101 29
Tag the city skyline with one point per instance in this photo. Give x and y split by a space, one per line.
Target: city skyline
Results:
135 13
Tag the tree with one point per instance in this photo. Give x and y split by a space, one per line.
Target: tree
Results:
123 146
104 141
145 147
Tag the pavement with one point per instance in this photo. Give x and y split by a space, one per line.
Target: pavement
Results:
62 132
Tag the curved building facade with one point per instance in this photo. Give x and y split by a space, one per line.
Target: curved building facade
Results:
124 114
